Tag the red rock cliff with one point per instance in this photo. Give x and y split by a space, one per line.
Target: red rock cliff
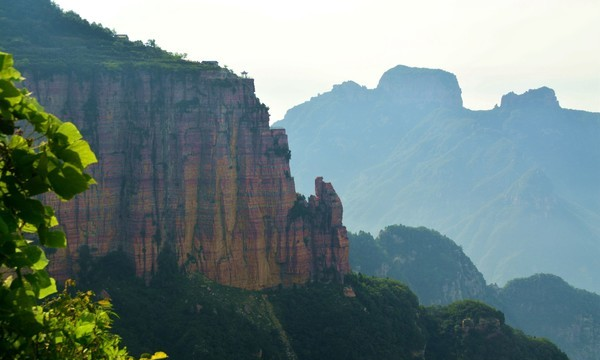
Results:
188 162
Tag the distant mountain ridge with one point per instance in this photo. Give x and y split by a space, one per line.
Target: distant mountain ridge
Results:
516 186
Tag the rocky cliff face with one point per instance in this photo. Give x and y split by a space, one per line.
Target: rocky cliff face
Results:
188 163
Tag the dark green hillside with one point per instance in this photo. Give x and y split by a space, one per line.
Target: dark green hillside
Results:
380 320
473 330
43 37
367 318
434 267
547 306
439 272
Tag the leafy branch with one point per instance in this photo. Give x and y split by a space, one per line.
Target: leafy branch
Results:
52 159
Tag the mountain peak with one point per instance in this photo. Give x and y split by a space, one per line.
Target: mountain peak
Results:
349 90
421 86
542 97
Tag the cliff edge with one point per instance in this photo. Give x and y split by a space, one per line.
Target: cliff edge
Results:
188 164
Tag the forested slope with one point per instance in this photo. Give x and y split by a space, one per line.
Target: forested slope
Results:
439 272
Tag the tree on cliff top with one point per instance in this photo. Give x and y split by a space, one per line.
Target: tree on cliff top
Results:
40 154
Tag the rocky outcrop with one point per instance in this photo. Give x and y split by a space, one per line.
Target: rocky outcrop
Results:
542 98
188 163
420 87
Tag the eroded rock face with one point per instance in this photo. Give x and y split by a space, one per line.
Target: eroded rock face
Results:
187 162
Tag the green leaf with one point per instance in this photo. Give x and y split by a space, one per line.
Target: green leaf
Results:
38 312
18 142
36 256
24 157
7 219
90 180
29 228
78 153
7 71
68 133
49 289
85 325
3 226
10 93
41 121
51 220
68 181
40 283
18 259
7 126
8 248
36 185
24 295
6 62
53 239
30 210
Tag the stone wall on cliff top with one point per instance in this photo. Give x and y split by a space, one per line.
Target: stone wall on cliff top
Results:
187 162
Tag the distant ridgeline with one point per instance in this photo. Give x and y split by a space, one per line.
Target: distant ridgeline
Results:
439 273
516 186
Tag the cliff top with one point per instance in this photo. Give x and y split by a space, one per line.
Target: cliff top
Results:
543 97
431 87
41 36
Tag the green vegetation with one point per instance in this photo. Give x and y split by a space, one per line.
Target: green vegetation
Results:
473 330
439 272
366 318
40 154
44 39
299 209
547 306
187 317
434 267
76 327
381 322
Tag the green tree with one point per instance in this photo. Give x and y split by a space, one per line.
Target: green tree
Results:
40 154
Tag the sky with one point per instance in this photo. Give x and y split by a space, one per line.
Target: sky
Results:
295 50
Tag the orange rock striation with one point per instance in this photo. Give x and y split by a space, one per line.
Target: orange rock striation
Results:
188 163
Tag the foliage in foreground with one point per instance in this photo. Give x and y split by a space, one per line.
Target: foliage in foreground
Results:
39 154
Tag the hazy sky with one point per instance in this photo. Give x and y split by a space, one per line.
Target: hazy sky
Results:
295 50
